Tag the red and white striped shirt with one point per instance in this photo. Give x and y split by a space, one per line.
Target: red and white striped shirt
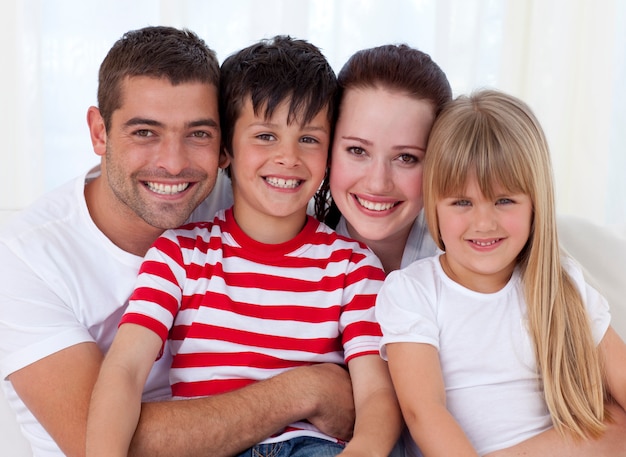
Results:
238 311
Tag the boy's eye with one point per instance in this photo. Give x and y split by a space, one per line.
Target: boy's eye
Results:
309 140
266 137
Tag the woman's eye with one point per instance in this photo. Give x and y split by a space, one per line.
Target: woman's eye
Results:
408 158
356 150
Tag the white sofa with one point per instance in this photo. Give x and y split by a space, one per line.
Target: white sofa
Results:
601 250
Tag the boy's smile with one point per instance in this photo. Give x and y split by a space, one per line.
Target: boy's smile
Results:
276 169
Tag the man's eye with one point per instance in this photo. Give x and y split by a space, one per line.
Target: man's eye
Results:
201 134
144 133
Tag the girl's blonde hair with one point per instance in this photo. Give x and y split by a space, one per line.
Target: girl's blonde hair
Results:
496 138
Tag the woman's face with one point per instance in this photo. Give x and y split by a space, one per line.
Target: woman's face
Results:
376 169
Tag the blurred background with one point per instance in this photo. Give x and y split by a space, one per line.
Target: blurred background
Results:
565 58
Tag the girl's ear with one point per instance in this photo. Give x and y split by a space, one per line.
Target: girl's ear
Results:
97 130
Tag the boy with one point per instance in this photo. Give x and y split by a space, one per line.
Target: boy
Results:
263 288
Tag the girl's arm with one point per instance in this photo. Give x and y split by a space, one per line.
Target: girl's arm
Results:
378 419
417 378
613 354
613 442
116 399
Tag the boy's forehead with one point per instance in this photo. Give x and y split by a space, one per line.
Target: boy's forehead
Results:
283 111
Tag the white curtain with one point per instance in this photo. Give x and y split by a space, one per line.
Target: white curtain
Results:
567 59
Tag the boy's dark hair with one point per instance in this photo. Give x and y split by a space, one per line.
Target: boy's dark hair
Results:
159 52
271 72
396 67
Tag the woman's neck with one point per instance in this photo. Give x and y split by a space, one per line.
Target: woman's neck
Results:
389 250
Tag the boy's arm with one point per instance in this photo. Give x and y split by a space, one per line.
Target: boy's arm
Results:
378 419
57 390
431 425
116 399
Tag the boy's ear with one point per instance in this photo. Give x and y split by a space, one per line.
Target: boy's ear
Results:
97 130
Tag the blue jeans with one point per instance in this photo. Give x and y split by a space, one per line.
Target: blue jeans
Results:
302 446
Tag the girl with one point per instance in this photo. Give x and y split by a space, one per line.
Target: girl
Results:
498 338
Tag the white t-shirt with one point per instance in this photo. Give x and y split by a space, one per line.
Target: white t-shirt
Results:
63 282
419 244
486 353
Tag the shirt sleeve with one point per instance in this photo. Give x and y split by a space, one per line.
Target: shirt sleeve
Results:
406 308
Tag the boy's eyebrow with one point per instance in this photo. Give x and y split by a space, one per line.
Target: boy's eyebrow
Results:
208 122
396 147
275 125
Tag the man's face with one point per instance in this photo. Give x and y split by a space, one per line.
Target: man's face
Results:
162 149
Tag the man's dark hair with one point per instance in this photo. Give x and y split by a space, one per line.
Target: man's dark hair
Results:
159 52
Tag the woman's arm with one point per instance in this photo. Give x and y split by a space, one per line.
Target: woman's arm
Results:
116 399
378 418
417 378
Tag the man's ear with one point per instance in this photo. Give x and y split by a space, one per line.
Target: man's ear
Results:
97 130
224 158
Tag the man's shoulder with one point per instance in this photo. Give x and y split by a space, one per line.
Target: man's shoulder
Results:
51 209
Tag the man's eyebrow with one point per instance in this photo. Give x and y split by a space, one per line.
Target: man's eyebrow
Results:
208 122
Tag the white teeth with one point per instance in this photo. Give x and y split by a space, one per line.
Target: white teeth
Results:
283 183
167 189
372 206
484 243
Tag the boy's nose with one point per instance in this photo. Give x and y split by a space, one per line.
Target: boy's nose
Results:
288 156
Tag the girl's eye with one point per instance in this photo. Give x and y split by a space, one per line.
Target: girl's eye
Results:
504 201
356 150
462 203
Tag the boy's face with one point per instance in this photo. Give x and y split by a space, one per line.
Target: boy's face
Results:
276 169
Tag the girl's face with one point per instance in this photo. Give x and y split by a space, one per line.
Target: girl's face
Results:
483 237
376 169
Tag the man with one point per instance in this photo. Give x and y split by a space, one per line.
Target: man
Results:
68 265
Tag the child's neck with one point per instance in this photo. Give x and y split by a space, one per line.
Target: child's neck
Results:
270 229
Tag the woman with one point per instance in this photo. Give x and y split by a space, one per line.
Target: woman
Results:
390 96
